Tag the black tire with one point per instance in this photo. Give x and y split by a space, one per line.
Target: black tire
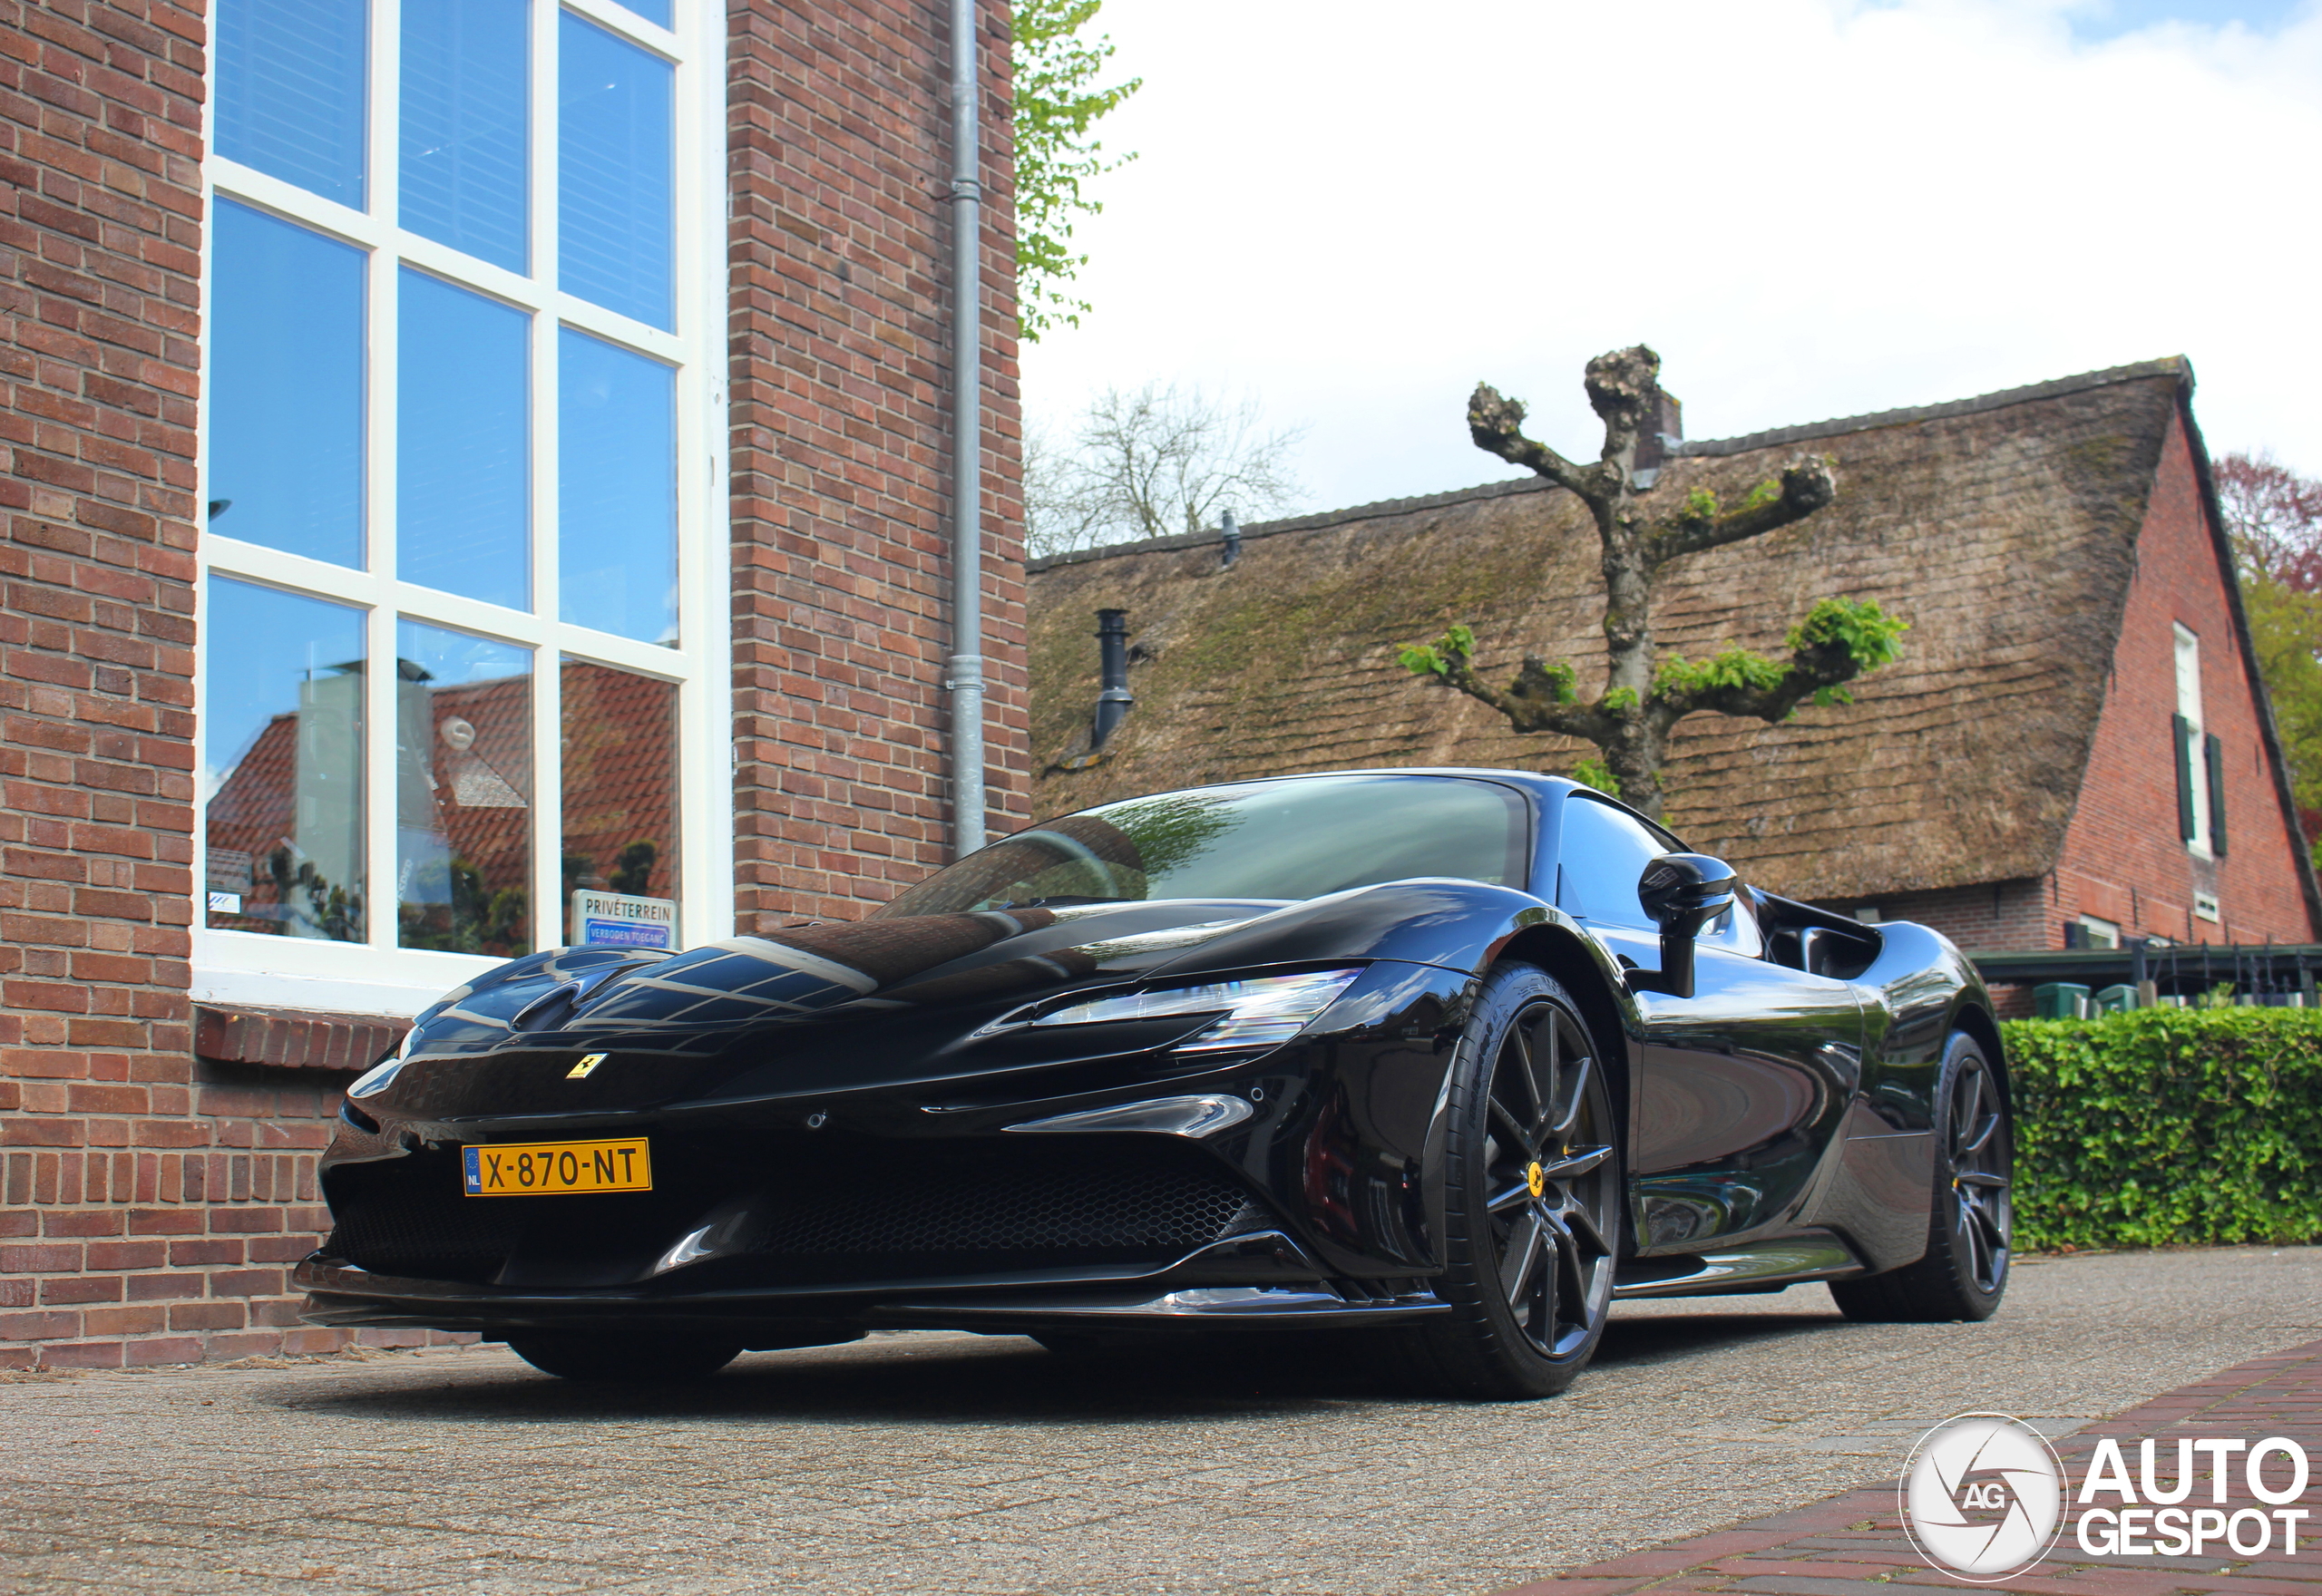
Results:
629 1357
1971 1221
1533 1199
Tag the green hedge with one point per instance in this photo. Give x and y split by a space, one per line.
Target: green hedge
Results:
2168 1126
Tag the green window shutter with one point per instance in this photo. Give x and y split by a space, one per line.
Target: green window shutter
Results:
2215 752
2184 730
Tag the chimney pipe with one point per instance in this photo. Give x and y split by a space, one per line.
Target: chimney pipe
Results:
1662 433
1232 542
1114 698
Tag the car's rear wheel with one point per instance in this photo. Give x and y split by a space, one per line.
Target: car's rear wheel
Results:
635 1358
1532 1199
1971 1226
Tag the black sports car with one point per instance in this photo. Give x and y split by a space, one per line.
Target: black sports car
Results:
1462 1055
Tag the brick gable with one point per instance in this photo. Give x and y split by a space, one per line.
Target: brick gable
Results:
2123 860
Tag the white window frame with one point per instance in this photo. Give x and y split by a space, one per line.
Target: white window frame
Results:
2097 932
376 976
2187 656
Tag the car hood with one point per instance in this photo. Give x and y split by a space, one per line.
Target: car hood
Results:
706 998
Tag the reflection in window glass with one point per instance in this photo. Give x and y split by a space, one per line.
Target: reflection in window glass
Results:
464 792
1603 853
614 128
290 91
653 11
462 470
621 783
286 387
466 100
283 746
1286 840
617 489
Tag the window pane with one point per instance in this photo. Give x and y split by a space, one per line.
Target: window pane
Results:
655 11
466 102
462 448
282 757
1603 853
286 387
617 489
614 227
464 792
621 785
290 91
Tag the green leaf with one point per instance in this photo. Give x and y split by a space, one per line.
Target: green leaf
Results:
1056 105
1868 633
1735 667
1597 774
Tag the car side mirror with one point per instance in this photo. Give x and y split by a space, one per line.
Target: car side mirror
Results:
1682 893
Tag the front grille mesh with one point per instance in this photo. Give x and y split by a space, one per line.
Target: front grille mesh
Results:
832 1211
1073 1204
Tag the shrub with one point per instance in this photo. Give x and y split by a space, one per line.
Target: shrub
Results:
2168 1126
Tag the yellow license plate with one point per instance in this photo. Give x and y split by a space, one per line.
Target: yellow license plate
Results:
537 1169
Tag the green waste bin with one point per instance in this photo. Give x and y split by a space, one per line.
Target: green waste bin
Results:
2060 1000
2115 1000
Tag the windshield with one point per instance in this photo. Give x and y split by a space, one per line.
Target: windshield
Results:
1286 839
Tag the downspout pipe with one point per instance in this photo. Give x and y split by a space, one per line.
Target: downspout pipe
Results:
964 668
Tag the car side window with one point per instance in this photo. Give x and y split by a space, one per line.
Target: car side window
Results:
1600 851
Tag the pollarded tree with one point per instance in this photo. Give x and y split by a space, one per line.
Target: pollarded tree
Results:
1644 696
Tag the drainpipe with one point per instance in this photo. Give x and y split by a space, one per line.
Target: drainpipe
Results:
965 666
1113 697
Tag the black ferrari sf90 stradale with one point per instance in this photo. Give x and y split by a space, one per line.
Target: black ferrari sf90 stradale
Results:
1463 1055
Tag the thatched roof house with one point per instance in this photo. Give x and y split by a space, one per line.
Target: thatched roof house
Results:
2053 548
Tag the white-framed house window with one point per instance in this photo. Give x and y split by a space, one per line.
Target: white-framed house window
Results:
464 584
2201 761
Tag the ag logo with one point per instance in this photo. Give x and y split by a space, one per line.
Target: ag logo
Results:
1983 1497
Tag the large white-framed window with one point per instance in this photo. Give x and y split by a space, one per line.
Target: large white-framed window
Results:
463 582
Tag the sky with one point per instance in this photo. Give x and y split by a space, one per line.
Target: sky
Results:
1347 213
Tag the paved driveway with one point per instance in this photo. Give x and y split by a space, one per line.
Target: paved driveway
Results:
961 1464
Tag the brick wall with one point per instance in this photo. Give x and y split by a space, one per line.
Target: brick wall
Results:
2123 860
149 1203
2015 915
842 370
157 1175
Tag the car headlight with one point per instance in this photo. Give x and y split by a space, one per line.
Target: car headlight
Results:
1257 1012
381 1075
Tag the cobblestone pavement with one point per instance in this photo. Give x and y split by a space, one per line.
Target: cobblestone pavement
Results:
1854 1544
982 1466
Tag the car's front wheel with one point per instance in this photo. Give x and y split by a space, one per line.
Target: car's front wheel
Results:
1532 1198
1971 1224
634 1357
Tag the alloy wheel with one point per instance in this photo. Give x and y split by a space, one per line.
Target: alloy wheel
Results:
1549 1178
1981 1170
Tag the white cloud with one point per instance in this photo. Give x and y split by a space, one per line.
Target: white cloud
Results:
1811 208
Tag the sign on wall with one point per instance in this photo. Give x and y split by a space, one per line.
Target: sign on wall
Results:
614 919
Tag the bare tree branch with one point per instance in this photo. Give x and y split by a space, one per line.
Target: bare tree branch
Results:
1497 425
1806 487
1532 702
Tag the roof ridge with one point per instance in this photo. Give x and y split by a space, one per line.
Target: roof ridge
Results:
2175 365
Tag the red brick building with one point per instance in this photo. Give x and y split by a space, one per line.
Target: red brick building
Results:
2075 748
461 454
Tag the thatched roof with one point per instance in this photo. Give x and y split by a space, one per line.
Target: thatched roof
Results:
2003 529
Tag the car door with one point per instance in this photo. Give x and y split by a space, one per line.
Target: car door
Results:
1741 1090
